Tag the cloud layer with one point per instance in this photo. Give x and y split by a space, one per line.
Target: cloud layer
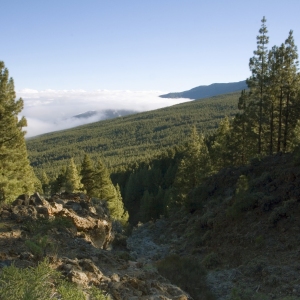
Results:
52 110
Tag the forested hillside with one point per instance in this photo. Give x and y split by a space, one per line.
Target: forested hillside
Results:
127 140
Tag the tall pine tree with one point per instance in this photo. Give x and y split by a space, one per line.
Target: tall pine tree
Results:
258 65
16 174
87 175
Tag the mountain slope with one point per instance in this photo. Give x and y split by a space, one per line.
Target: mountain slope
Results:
204 91
243 237
126 140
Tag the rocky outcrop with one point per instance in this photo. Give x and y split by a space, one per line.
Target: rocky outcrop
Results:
90 218
82 252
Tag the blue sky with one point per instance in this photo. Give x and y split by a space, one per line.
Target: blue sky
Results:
166 45
71 56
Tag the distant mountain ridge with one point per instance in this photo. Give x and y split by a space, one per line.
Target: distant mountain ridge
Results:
205 91
105 114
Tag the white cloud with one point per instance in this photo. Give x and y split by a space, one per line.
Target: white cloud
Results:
51 110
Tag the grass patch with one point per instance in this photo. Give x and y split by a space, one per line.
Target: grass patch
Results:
188 274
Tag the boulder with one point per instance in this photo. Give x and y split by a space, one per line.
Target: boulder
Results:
22 213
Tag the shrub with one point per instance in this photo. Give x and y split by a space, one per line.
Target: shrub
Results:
41 283
38 245
30 283
211 260
187 273
243 203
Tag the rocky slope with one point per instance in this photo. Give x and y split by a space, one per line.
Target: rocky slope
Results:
239 240
75 234
247 240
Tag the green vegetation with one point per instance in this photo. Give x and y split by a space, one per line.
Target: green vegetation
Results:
16 175
188 274
97 183
41 283
182 158
125 141
38 246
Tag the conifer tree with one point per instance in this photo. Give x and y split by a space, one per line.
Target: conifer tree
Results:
105 190
193 167
117 209
59 184
220 151
45 183
102 182
73 183
87 175
242 138
258 65
16 174
291 112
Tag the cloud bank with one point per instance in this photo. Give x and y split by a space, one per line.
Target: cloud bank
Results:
52 110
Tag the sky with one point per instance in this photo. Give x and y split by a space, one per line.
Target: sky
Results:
80 47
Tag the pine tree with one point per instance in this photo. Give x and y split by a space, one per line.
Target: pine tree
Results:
117 208
87 175
105 190
102 182
242 139
73 183
258 65
45 183
16 174
220 149
59 184
192 168
291 112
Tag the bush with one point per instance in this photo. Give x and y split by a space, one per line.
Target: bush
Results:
31 283
38 246
187 273
211 261
41 283
243 203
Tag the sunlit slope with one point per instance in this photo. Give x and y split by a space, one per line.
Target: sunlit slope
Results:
125 140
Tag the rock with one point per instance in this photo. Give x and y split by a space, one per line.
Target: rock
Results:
55 208
36 199
17 202
73 205
78 277
5 213
21 200
115 277
99 230
26 256
21 212
5 263
88 265
42 211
